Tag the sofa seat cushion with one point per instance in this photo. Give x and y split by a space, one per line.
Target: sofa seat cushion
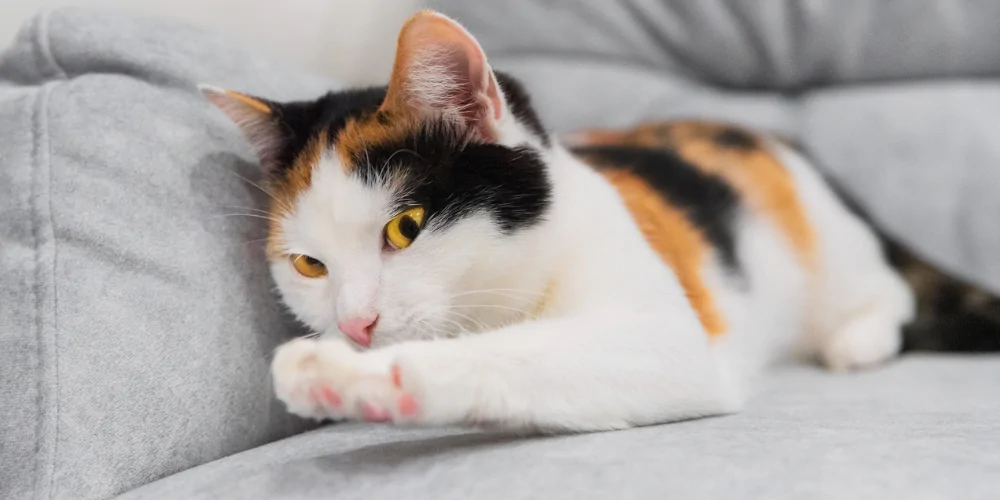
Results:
921 428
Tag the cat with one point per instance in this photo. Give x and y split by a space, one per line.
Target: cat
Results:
461 265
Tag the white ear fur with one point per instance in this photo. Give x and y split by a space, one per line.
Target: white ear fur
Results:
254 117
441 70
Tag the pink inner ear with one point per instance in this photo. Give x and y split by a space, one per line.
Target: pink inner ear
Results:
478 92
487 83
253 117
476 95
444 72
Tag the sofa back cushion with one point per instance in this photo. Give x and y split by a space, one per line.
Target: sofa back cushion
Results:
136 313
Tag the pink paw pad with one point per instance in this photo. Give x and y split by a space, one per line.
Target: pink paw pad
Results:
407 404
330 396
371 413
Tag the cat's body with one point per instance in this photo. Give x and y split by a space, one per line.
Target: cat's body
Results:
500 278
771 260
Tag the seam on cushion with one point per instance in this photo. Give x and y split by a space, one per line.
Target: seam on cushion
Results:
40 354
763 60
42 220
689 67
43 146
519 56
44 43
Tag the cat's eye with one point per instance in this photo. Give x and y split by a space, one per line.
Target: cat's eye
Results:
404 228
307 266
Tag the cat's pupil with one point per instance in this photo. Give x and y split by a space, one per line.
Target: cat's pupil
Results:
408 227
312 262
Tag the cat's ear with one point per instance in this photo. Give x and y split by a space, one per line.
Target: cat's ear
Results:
441 71
255 117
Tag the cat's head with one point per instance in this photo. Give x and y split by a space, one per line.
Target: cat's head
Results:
408 211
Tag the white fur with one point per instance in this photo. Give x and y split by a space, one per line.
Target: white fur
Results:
573 324
857 302
617 344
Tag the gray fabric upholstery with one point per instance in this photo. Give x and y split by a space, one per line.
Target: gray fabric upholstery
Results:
135 317
900 432
748 44
896 100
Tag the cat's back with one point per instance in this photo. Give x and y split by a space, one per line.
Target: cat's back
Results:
717 203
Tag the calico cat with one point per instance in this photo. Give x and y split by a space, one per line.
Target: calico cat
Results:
462 266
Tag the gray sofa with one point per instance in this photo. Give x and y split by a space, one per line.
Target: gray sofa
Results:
136 313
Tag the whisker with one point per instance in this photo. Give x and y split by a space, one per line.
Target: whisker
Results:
237 207
248 242
258 216
423 325
393 155
458 326
496 306
258 186
481 326
524 293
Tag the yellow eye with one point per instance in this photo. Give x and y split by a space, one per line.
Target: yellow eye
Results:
404 228
307 266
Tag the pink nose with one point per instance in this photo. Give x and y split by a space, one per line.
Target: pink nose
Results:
359 329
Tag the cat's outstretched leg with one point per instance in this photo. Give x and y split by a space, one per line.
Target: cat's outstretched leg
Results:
572 374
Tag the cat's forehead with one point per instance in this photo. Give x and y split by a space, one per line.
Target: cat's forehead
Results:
371 147
373 140
336 129
320 205
429 162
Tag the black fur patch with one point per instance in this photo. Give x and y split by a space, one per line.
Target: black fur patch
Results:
969 331
302 120
520 104
734 138
708 201
448 175
452 178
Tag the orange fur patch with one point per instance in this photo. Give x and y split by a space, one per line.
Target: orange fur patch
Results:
752 169
249 101
678 242
284 193
362 133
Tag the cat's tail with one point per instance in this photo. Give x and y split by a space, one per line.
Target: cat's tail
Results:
952 315
969 332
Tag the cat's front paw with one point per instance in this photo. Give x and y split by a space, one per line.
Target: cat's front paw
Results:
329 379
298 372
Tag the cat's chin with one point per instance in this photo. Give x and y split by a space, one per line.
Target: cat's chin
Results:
406 333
